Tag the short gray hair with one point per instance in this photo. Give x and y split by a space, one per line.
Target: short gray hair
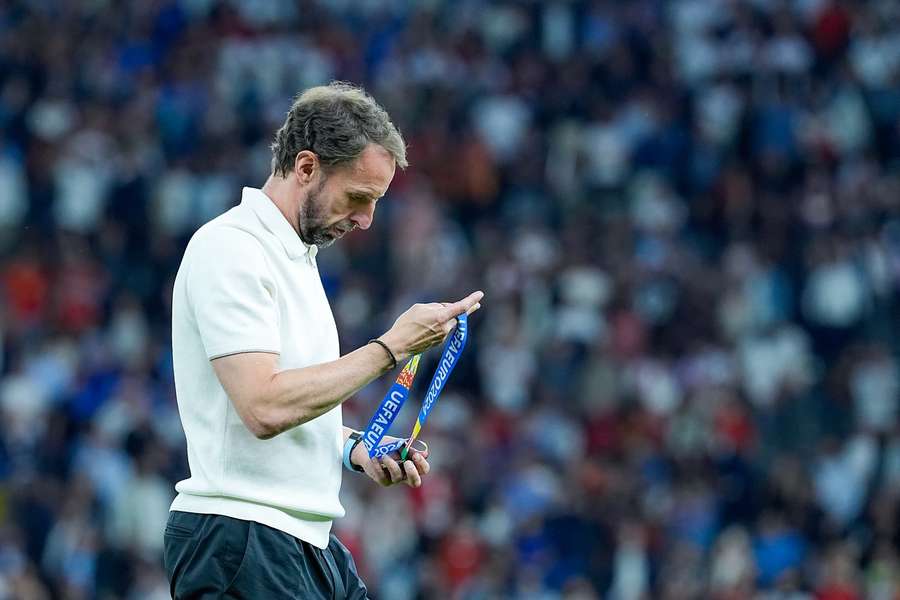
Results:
336 122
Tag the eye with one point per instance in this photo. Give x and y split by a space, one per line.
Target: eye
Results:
360 198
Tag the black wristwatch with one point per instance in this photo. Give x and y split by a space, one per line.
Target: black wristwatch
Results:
349 446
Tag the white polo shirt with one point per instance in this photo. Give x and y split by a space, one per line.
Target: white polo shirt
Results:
247 283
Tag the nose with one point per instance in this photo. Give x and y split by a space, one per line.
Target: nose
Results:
363 218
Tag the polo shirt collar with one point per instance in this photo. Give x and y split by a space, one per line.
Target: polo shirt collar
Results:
275 222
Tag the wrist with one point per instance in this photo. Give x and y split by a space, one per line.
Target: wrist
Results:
350 445
394 346
392 360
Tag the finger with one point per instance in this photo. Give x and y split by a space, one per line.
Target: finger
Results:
421 463
413 479
449 326
376 473
457 308
393 469
473 308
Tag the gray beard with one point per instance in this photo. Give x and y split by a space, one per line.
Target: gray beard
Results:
313 228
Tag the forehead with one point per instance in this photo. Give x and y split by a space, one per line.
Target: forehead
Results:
372 172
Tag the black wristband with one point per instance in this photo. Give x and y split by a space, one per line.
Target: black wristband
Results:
388 350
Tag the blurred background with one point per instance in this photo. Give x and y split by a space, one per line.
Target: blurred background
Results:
683 383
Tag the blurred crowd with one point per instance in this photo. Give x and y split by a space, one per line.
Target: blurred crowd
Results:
686 218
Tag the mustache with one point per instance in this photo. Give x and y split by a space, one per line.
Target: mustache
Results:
345 226
322 234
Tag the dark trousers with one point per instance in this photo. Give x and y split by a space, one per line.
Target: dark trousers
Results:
212 556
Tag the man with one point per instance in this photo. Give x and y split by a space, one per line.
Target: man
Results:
258 375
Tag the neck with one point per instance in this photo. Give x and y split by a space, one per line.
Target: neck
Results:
278 189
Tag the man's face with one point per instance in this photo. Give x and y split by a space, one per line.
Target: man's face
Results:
345 199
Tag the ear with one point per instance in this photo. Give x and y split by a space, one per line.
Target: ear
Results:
306 165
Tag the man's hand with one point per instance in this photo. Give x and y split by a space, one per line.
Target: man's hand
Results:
387 470
423 326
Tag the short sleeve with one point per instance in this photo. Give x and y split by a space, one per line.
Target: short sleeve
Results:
232 293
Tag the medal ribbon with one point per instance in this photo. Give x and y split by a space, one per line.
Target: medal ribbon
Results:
452 350
399 392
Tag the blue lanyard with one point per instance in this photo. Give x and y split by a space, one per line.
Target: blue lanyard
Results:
399 392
